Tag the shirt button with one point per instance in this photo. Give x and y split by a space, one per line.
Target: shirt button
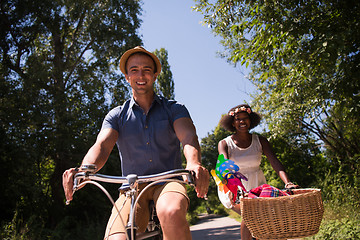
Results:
150 160
146 126
147 143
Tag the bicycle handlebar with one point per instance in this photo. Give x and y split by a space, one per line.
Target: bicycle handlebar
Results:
132 178
88 172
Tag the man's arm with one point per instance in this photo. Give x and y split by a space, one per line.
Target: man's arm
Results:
97 155
186 133
100 151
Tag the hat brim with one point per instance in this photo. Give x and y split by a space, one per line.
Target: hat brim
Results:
134 50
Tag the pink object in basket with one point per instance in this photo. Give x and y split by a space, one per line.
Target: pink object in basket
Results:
266 190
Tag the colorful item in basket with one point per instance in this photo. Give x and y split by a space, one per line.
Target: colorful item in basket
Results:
266 190
227 176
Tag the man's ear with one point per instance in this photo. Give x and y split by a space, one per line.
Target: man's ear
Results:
155 76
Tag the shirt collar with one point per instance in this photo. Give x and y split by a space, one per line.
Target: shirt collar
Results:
156 99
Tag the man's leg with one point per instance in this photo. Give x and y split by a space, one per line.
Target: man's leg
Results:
118 236
116 225
171 208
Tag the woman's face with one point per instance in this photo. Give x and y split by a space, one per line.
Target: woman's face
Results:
242 122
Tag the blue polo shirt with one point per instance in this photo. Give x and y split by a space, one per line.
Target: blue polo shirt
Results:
147 143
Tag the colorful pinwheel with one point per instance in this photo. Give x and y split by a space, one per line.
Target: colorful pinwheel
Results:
227 176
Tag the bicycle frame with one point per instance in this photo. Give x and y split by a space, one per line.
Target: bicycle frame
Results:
88 175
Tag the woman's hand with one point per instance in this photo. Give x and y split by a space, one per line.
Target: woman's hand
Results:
290 185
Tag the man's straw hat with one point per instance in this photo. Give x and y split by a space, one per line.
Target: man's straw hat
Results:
137 49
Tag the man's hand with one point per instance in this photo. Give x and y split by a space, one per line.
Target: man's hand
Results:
68 183
202 177
186 133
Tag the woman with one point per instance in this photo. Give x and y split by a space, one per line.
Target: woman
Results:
245 149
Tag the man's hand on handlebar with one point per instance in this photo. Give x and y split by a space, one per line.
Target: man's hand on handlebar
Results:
68 179
201 179
68 183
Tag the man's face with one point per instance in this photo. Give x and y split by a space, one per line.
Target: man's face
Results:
140 73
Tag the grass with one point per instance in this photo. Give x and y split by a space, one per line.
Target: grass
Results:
340 221
233 215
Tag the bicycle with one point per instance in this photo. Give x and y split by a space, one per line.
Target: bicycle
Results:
88 175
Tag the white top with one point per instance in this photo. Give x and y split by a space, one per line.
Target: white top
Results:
248 159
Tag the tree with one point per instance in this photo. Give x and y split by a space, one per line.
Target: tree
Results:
305 61
164 84
58 79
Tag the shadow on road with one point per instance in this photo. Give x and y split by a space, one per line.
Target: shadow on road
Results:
212 227
223 233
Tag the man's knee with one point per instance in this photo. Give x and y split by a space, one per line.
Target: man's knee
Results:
117 236
172 205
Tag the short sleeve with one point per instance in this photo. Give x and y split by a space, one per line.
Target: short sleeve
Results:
179 110
111 120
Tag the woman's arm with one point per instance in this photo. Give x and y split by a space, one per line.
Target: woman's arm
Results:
223 148
275 163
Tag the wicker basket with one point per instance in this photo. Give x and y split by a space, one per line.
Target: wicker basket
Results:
294 216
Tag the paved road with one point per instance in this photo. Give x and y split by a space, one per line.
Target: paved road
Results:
211 227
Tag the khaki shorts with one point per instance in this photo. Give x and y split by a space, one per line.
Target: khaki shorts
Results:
142 210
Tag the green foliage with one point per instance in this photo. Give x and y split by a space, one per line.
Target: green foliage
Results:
339 229
57 82
209 147
164 84
304 163
304 59
209 156
341 203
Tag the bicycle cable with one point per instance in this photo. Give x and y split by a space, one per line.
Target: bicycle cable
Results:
111 200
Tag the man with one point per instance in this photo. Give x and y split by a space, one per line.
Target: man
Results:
148 130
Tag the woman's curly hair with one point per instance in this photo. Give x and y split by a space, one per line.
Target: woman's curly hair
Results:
227 120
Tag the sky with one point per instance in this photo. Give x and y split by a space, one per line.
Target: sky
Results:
205 83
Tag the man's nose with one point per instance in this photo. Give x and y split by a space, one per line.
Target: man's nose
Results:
141 73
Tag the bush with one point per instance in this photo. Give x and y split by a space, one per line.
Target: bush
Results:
339 229
341 202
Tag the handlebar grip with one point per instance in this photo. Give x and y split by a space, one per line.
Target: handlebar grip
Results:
192 177
76 183
91 168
